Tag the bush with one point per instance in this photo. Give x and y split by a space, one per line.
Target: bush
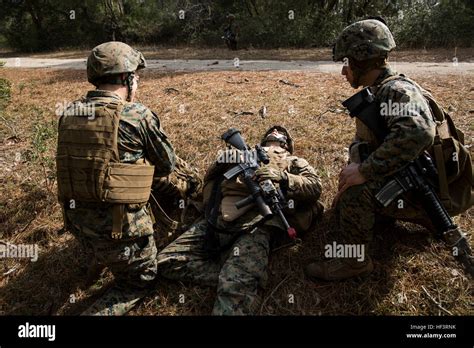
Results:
448 24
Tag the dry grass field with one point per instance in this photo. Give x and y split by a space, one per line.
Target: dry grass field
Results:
414 274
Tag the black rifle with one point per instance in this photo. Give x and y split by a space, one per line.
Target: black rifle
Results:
269 200
419 175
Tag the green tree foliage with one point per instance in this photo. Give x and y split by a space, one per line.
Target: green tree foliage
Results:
34 25
441 23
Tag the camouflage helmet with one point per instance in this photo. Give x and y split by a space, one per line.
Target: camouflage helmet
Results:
112 58
364 40
287 137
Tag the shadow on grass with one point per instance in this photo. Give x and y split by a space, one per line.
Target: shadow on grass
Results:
44 286
290 292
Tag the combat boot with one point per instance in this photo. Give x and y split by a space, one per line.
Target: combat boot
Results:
116 302
339 268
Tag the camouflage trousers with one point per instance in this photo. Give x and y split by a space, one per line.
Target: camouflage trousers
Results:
131 259
358 211
238 271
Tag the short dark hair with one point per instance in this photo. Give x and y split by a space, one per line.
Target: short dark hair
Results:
115 79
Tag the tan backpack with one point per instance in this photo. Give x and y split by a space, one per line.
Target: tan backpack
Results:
453 160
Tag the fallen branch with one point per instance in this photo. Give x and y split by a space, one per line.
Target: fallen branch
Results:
286 82
332 110
168 90
240 113
437 303
10 271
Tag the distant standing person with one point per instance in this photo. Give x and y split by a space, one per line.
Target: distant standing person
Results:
231 32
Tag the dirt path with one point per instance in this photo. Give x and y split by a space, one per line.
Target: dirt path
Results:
247 65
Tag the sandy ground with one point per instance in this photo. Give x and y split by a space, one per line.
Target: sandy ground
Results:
443 68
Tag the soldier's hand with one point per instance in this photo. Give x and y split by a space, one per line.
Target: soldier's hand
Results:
275 175
348 177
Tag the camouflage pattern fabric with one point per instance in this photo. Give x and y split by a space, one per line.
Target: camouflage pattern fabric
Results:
184 182
241 265
411 131
112 58
238 272
364 40
180 197
303 186
116 301
132 259
357 213
409 121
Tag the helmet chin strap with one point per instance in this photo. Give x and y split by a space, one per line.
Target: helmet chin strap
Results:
356 75
128 81
129 87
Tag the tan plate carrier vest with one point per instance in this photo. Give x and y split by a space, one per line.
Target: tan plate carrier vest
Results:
235 190
88 163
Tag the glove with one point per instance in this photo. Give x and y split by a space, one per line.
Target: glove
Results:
275 175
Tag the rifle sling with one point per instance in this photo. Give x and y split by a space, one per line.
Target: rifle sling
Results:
212 211
161 216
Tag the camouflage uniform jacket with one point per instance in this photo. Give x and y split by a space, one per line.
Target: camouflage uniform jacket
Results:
410 125
303 188
140 137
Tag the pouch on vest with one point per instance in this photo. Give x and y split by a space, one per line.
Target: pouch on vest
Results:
228 209
453 160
